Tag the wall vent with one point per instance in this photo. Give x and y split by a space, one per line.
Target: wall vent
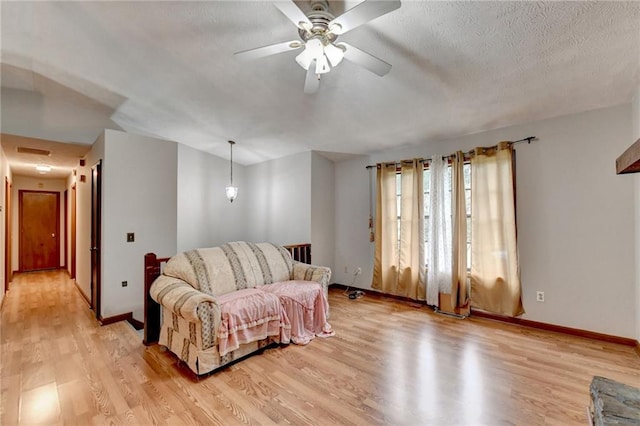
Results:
35 151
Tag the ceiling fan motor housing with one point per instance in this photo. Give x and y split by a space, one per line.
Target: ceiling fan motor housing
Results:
320 16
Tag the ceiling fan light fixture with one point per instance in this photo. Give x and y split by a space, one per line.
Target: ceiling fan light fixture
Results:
304 59
314 46
335 28
313 49
334 54
322 65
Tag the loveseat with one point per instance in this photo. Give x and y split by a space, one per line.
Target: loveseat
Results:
219 304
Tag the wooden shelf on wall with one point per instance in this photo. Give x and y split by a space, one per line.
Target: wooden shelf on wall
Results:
629 161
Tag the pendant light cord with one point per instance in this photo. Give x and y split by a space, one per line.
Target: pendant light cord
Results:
231 143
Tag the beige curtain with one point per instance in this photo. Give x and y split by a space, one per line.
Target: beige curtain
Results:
398 261
495 275
459 294
385 268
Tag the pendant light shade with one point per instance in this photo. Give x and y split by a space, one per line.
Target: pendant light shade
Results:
231 191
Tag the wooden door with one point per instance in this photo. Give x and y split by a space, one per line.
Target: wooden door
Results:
96 207
39 226
8 268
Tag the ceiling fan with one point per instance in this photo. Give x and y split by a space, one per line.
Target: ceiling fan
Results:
319 31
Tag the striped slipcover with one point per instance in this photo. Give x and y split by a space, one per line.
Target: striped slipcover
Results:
190 282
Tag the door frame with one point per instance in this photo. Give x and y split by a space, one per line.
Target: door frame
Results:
21 192
96 224
66 229
72 260
8 267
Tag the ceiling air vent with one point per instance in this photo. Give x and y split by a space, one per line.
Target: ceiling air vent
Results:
34 151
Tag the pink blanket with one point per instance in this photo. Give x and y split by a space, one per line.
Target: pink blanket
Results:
249 315
306 306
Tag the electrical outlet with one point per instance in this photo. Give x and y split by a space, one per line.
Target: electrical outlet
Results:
124 283
131 237
539 296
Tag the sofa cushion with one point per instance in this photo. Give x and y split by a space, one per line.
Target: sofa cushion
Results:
306 306
231 266
250 315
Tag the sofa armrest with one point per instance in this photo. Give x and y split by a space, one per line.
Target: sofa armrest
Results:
306 272
319 274
181 298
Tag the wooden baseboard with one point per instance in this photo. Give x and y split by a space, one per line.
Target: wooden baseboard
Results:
524 323
378 294
116 318
138 325
556 328
128 317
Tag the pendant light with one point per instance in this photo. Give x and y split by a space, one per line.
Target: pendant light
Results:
232 191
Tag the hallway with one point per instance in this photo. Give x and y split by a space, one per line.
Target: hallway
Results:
55 356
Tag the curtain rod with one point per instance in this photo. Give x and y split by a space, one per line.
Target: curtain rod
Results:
528 140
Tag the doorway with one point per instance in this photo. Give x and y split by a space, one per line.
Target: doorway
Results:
96 208
39 225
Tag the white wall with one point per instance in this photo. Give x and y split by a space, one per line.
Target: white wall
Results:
205 216
635 117
574 217
322 210
24 183
139 195
139 178
280 206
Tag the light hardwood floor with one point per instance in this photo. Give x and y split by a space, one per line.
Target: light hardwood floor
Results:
390 363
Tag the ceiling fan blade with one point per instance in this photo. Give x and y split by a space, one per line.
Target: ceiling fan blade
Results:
272 49
360 14
366 60
295 15
311 81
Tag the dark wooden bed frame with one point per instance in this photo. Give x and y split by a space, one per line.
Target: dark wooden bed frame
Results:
153 269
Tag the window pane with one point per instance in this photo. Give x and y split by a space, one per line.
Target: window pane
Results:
467 200
466 168
469 256
427 232
398 184
426 179
468 230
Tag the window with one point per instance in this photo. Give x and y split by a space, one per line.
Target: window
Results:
427 206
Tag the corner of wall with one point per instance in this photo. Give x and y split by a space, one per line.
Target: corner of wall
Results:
635 111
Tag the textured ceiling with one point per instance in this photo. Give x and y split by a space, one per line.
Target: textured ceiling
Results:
166 69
